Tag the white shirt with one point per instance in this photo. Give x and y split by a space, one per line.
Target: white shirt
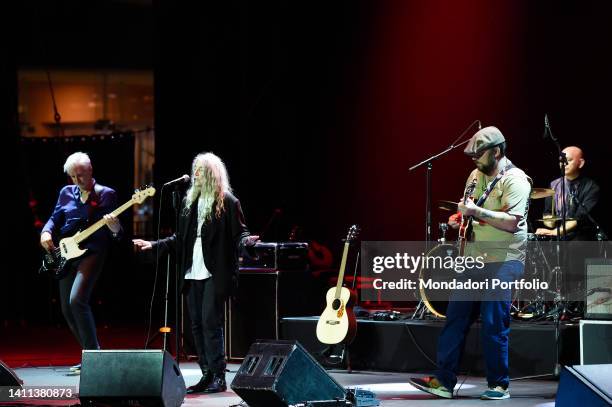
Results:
198 270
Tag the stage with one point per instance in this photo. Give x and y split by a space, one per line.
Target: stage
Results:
392 389
383 359
410 345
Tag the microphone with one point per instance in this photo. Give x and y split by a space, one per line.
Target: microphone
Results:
546 126
183 178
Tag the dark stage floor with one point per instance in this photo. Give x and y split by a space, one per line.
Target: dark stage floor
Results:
41 356
392 389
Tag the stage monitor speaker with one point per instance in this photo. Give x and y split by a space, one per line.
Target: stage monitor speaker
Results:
8 377
282 373
130 377
585 385
598 289
595 342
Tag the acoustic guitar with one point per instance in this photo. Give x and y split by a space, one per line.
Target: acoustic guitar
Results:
337 322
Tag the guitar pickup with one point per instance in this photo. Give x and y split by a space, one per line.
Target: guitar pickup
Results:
330 322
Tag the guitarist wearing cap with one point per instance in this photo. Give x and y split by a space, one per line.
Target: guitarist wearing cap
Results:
80 205
497 215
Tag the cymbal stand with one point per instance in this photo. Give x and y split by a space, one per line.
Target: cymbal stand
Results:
558 312
543 271
560 308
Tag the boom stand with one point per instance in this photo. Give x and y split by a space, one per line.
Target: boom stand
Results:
429 162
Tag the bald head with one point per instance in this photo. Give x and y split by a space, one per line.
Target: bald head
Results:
575 162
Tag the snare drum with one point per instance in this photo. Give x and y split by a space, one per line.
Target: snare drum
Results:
532 237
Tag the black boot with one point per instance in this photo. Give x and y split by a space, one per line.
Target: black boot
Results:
218 384
202 385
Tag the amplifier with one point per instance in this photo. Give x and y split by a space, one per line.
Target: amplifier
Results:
595 342
598 289
277 255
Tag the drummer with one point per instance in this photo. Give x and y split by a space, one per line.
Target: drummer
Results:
581 196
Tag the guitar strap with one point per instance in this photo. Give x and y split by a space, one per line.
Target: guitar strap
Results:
499 176
94 201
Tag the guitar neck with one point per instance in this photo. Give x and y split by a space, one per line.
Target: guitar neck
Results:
342 268
94 228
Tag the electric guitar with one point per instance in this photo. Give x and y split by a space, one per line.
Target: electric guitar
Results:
465 230
56 262
338 323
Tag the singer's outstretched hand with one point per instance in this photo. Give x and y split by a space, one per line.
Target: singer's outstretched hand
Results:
140 244
251 240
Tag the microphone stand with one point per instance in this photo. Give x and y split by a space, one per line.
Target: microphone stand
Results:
601 234
429 164
559 310
165 330
176 204
428 221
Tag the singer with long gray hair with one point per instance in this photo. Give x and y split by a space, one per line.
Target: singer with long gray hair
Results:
211 231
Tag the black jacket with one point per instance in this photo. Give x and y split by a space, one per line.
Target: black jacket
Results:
222 239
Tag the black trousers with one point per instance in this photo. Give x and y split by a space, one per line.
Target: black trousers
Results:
75 294
206 311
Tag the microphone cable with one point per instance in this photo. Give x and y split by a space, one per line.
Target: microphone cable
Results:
156 274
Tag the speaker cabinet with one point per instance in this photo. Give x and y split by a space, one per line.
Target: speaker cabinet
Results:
595 342
282 373
130 377
264 297
588 385
598 289
8 377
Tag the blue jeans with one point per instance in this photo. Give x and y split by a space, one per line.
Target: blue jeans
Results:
495 315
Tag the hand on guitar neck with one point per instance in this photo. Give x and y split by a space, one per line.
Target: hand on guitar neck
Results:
465 229
465 206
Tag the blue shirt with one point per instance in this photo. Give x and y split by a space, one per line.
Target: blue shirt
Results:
71 215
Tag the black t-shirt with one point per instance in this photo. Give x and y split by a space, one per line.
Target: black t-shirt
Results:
581 196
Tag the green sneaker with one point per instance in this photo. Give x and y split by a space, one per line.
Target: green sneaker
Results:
495 393
431 385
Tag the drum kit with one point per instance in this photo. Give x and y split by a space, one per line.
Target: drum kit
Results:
541 262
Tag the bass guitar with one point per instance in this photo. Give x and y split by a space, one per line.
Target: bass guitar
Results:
337 322
57 261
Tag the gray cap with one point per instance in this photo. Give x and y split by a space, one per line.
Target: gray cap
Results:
484 139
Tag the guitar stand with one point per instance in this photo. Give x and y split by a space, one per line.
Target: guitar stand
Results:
333 358
420 311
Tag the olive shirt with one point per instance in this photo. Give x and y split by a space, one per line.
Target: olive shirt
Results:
511 195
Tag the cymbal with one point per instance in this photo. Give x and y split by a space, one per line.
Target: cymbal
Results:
447 205
537 193
554 219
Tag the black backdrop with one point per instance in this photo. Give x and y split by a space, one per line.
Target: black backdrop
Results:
42 165
319 108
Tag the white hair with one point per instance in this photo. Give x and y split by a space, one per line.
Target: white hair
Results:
213 188
75 159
